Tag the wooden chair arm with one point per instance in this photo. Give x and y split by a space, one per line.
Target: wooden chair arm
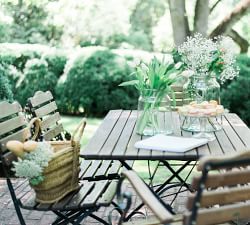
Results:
208 159
148 197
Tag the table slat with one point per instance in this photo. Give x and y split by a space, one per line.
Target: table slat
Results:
233 136
240 128
101 135
115 134
121 145
224 142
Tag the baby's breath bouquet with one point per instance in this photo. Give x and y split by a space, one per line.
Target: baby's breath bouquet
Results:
153 82
209 57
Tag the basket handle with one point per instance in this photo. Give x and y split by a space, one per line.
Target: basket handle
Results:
37 122
79 130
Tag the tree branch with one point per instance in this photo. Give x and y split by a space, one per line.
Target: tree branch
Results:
213 7
243 43
227 23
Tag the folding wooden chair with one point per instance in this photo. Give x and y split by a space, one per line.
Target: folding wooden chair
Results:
70 210
220 197
178 92
43 106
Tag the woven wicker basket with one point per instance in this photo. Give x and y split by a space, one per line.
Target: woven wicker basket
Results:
61 175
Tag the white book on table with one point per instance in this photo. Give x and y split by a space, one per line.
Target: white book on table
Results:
162 142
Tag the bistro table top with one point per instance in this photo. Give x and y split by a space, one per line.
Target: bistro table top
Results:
116 136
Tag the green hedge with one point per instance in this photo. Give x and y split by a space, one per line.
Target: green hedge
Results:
5 88
87 79
92 85
236 94
83 79
36 76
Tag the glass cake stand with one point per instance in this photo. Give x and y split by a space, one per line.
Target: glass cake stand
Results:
192 123
201 125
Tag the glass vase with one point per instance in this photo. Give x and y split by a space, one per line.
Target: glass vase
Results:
154 114
195 89
213 89
201 88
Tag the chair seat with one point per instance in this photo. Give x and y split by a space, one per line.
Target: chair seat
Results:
90 194
99 169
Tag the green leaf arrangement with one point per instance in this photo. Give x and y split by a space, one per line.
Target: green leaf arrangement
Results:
153 79
156 75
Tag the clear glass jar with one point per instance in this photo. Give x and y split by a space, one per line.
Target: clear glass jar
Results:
154 113
201 88
213 89
195 89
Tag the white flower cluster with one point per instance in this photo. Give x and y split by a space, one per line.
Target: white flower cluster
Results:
230 70
33 163
198 53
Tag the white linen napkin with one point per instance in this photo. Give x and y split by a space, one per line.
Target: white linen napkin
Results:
170 143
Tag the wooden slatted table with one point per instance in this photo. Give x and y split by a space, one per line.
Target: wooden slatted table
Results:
116 136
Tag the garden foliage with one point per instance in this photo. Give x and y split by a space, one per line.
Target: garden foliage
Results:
36 76
5 89
92 85
236 94
91 77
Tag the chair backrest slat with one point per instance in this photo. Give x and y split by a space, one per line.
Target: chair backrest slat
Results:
46 109
223 192
178 90
41 97
50 121
20 135
221 197
43 106
225 179
210 216
12 124
8 109
53 132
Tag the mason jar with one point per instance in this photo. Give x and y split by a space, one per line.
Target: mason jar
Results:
195 89
213 89
154 113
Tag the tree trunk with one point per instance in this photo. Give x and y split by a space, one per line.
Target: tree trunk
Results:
227 23
201 17
179 20
20 3
243 43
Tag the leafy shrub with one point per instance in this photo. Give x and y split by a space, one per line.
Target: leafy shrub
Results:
236 94
140 40
36 77
16 55
5 90
56 62
92 85
13 75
